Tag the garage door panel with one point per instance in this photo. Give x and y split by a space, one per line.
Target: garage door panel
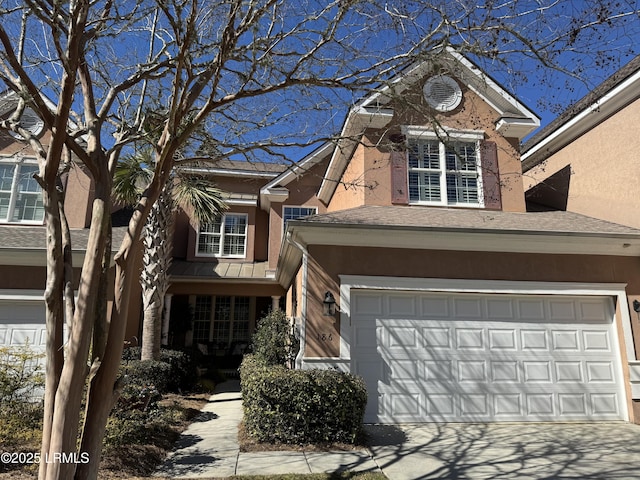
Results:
484 366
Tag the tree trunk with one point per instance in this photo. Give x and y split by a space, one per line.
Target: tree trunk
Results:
104 389
154 278
54 318
64 431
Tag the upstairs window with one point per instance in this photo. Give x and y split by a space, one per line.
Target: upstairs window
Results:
291 213
20 194
226 237
444 173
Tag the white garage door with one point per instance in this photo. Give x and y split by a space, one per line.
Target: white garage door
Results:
430 357
21 322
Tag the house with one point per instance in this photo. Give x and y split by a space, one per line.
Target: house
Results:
405 253
585 162
453 302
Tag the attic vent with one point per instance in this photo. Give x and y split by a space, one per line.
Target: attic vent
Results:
442 93
31 122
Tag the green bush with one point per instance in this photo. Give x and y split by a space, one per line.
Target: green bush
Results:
149 373
178 373
301 406
273 342
21 387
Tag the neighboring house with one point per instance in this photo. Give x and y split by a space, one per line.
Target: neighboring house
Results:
404 253
586 161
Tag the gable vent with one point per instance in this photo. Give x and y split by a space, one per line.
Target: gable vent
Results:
442 93
31 122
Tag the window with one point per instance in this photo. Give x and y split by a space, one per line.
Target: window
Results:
226 237
444 174
291 213
221 320
20 194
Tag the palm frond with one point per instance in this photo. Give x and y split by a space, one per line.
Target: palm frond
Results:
133 174
201 196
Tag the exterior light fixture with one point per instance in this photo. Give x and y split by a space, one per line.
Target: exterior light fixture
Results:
636 306
329 305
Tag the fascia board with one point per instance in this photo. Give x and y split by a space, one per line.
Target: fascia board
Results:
301 167
224 172
614 100
289 258
483 85
470 240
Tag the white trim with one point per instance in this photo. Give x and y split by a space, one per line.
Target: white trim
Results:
615 290
17 295
467 239
594 113
296 206
420 132
229 172
222 236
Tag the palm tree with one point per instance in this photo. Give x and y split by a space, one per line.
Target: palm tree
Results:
192 192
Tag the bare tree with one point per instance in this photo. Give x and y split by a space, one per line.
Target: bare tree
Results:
234 67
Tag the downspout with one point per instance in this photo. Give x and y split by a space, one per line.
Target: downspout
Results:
303 302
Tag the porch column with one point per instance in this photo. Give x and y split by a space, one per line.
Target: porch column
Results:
164 338
275 302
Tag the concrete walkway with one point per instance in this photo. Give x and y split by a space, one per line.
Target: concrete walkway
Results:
536 451
208 448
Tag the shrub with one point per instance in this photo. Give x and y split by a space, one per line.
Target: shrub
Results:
178 370
301 406
149 373
273 342
184 374
21 384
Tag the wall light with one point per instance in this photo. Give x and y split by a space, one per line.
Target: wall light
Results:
329 305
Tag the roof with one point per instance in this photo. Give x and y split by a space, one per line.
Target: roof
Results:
450 219
456 229
26 245
617 91
245 271
235 168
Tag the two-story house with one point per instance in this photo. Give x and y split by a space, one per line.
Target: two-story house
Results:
404 253
452 301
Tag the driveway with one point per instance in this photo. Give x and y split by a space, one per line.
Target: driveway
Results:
507 451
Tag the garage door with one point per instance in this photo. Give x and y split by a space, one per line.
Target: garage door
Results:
21 322
430 357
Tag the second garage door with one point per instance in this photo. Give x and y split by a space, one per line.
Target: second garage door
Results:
430 357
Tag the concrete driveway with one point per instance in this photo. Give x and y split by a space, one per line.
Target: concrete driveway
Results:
507 451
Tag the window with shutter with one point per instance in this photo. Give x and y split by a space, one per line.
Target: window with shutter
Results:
444 172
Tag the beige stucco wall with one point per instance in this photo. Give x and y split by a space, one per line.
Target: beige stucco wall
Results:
302 193
605 169
367 178
327 262
351 187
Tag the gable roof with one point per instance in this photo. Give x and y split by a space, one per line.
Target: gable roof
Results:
275 188
516 120
612 95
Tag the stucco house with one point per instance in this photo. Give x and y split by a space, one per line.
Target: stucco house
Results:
405 253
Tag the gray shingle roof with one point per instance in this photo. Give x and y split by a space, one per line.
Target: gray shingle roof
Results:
25 237
452 219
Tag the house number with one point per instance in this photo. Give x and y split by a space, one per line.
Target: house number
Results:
325 337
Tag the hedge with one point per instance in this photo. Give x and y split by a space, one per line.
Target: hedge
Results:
301 406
